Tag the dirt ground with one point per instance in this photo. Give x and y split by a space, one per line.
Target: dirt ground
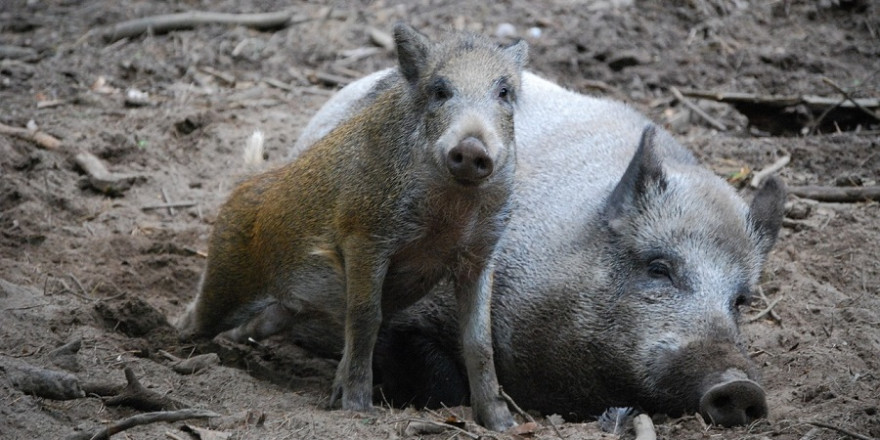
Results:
76 263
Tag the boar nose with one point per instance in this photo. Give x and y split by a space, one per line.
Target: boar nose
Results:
735 402
469 162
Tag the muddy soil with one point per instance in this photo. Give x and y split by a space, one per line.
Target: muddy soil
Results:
112 270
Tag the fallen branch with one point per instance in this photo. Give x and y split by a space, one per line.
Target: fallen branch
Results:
41 382
837 194
160 24
644 427
841 430
784 115
144 419
780 101
102 179
41 138
696 109
759 177
134 395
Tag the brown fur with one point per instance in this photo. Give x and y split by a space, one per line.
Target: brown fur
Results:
369 219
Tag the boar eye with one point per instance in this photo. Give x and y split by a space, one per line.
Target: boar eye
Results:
659 269
440 91
504 91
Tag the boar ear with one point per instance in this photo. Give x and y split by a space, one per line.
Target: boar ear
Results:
519 51
766 211
412 51
644 171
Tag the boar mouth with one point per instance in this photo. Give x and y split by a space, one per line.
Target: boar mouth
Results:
710 378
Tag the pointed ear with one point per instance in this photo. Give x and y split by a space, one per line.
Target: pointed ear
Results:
519 51
767 210
644 171
412 51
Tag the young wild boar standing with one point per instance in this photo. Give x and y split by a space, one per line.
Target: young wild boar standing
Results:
412 190
618 282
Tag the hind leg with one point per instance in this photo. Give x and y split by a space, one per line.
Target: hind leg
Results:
271 319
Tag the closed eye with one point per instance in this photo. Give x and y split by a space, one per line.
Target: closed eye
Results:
440 90
659 269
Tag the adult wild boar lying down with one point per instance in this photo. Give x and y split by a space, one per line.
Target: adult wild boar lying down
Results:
619 281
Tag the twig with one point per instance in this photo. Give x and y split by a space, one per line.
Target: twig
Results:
767 310
79 284
52 103
516 407
353 55
759 177
144 419
841 430
9 309
328 78
381 38
850 99
555 429
696 109
279 84
644 427
102 179
837 194
317 91
167 200
38 137
165 23
173 436
773 313
525 415
169 205
446 425
222 76
191 365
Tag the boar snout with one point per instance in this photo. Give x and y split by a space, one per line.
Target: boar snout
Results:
735 400
469 161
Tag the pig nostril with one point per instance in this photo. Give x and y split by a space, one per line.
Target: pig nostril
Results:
734 402
457 158
480 164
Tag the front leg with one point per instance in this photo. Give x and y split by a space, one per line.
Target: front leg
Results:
474 297
365 270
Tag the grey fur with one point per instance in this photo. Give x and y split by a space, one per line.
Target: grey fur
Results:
619 277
